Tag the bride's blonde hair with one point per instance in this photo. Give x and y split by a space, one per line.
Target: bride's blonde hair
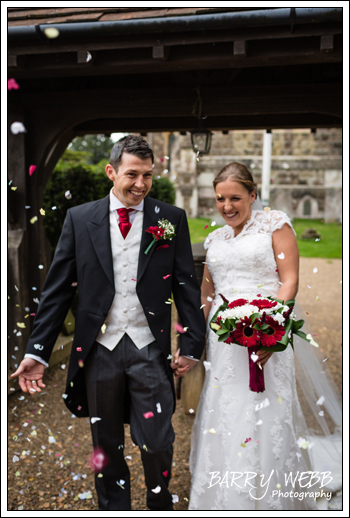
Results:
237 173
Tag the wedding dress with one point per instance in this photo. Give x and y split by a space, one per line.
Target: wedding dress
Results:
244 444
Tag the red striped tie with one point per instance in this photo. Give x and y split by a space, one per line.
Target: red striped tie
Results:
124 223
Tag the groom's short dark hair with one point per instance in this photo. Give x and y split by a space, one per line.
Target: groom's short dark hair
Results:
132 144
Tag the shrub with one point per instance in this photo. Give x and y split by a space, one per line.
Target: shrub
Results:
163 190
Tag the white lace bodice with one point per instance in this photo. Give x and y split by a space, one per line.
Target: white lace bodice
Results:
246 263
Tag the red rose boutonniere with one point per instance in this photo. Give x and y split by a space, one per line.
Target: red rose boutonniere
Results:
164 230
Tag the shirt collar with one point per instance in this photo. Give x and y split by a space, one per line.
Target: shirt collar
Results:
115 203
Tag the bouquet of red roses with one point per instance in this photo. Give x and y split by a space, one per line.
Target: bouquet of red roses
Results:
257 323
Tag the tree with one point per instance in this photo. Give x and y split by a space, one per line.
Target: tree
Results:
98 146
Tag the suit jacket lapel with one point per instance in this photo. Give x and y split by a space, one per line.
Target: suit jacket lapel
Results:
100 236
150 219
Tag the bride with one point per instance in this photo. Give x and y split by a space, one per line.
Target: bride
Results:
249 449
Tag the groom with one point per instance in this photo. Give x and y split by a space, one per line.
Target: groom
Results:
120 368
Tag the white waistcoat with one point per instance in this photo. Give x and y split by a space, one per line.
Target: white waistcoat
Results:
126 314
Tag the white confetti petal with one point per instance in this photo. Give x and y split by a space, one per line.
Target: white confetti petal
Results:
281 255
311 340
263 404
17 127
156 209
213 223
207 365
191 411
320 401
15 458
159 408
94 419
259 422
175 499
156 490
315 270
254 357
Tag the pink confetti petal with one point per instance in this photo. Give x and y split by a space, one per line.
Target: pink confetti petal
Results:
79 349
178 327
165 473
162 159
206 226
162 246
98 460
167 276
147 415
12 84
31 169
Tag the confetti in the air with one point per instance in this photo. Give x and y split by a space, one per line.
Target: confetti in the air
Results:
156 209
254 357
315 270
311 340
31 169
212 430
213 223
17 127
191 411
178 327
320 401
321 413
68 195
206 226
12 84
103 328
147 415
166 276
317 297
267 209
175 499
42 212
263 404
159 408
95 419
207 365
202 306
21 324
33 219
156 489
51 32
81 363
281 255
259 422
303 443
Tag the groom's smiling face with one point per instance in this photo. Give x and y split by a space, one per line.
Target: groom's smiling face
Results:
133 180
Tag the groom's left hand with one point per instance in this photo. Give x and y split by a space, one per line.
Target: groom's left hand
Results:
182 364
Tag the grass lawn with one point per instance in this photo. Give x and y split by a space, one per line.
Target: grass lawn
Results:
329 246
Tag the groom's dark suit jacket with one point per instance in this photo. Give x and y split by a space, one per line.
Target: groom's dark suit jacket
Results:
84 255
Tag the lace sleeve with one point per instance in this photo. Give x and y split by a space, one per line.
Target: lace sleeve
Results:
278 219
219 233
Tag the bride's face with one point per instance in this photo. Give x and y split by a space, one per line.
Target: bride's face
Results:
234 203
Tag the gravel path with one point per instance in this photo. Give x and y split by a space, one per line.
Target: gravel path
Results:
44 475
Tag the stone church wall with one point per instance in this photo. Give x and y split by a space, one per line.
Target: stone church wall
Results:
306 169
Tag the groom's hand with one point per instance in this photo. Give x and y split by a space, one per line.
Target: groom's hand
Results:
30 374
182 364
